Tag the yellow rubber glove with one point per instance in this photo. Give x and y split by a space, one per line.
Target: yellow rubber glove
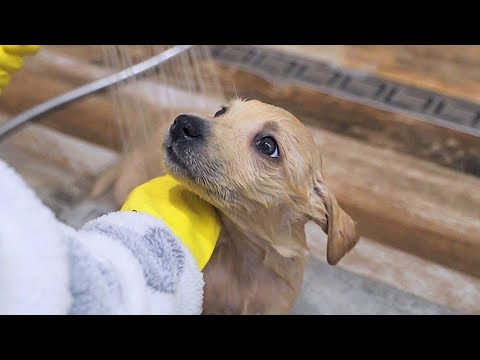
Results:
194 221
11 60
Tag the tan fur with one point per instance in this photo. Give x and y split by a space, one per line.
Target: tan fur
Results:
264 204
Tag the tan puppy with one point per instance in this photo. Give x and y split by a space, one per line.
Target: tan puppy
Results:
259 166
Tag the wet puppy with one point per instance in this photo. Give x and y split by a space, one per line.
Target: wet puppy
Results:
259 166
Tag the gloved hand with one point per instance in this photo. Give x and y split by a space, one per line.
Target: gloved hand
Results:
123 262
191 219
11 60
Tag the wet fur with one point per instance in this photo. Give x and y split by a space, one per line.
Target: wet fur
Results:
263 203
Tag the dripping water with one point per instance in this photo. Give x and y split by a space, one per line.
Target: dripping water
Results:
188 83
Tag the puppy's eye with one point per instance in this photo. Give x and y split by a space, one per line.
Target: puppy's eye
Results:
268 146
220 112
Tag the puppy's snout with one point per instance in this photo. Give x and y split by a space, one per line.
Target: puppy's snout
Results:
187 127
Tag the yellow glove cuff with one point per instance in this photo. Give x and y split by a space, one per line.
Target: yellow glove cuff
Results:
194 221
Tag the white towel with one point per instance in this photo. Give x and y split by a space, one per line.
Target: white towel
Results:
119 263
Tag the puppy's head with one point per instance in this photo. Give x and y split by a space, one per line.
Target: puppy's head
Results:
259 165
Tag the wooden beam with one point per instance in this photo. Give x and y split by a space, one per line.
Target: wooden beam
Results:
405 202
406 272
86 119
82 159
451 70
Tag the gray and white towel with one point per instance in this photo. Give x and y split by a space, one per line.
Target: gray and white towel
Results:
119 263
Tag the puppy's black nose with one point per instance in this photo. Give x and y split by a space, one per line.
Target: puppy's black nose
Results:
188 127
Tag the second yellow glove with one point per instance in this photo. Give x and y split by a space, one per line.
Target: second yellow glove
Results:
11 60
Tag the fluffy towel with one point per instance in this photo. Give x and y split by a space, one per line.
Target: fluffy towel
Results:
120 263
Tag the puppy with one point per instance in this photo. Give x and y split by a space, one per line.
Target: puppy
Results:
259 166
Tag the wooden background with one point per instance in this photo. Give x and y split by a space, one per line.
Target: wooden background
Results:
406 183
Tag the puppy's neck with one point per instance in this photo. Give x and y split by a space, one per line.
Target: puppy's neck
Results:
261 232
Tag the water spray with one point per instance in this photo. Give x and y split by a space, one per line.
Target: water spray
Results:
38 111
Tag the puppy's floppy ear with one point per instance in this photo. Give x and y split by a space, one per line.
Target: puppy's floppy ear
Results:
340 228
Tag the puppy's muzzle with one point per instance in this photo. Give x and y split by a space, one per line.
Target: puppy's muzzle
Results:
188 127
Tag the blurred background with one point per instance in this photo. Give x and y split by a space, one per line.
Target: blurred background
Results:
398 127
